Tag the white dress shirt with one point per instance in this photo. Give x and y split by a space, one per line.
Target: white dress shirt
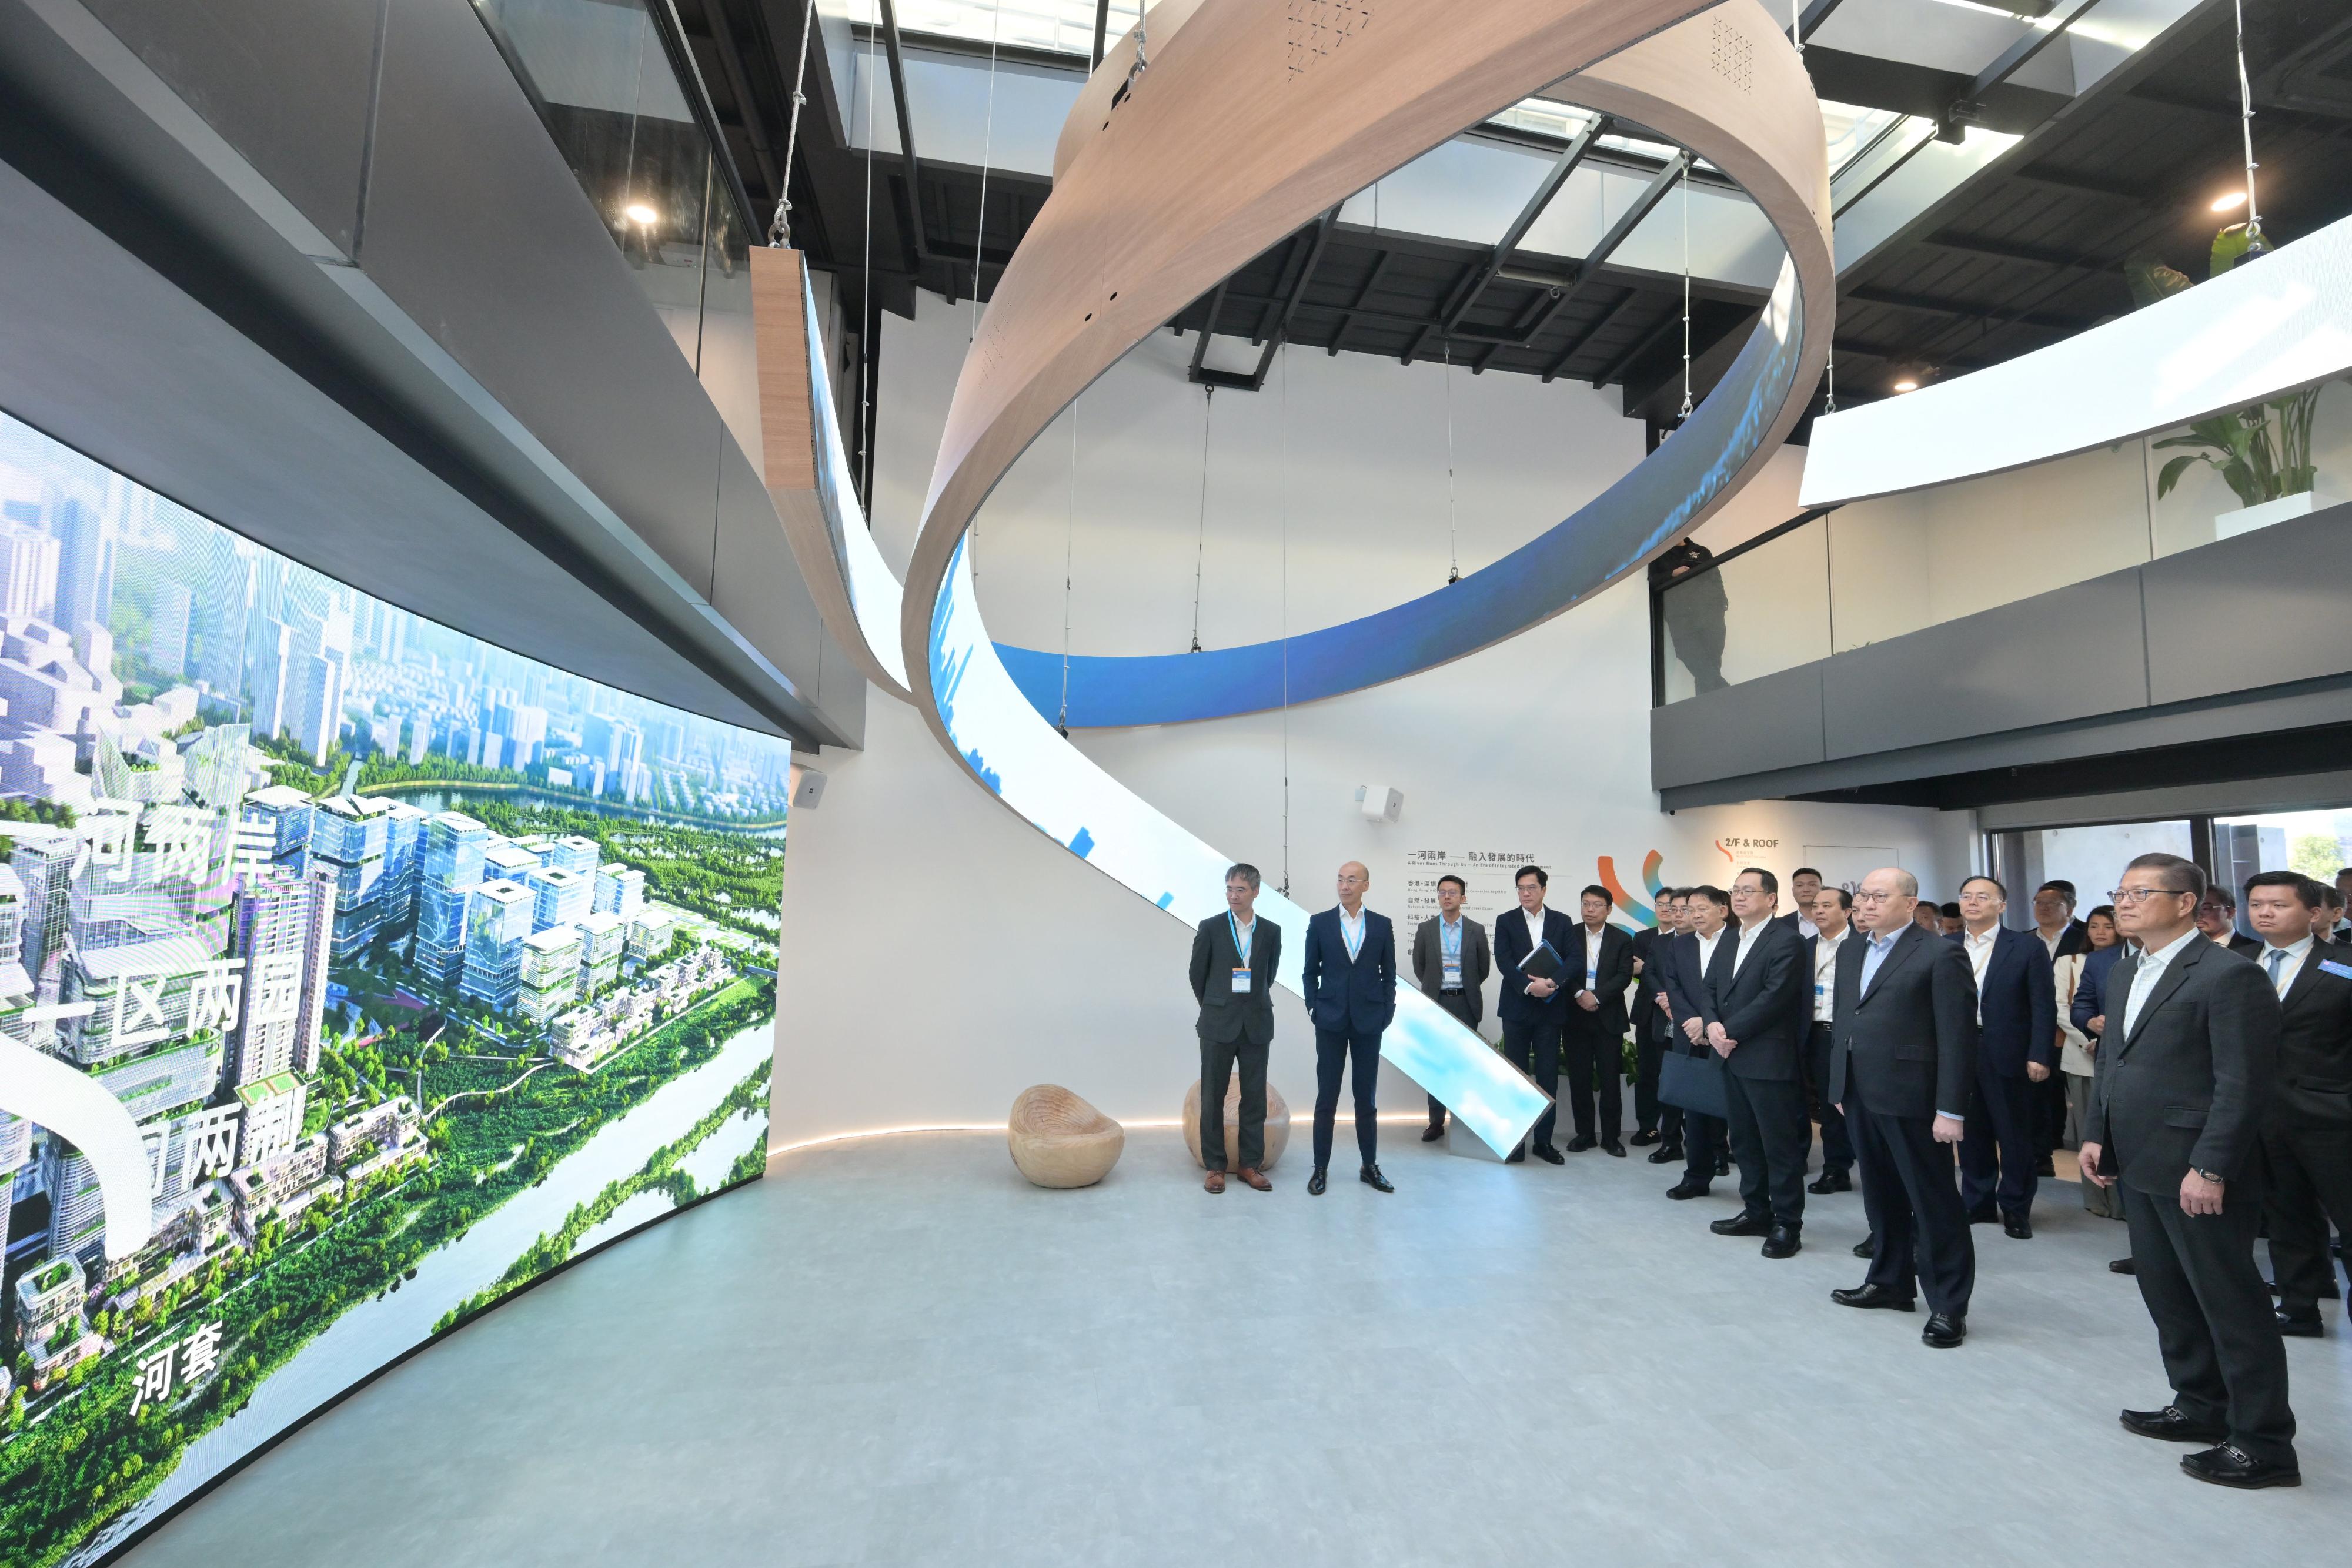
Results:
1980 950
1535 919
2150 969
1825 951
1706 952
2296 957
1805 926
1592 956
2051 939
1351 929
1748 934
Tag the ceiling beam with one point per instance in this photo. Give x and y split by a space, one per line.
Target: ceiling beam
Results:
1576 344
1347 318
1929 304
1546 189
1615 369
917 251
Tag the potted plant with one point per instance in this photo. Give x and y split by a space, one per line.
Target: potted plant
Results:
2263 450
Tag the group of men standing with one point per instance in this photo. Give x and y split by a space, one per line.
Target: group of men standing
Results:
1907 1046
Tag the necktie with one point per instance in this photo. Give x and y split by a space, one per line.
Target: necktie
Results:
2277 961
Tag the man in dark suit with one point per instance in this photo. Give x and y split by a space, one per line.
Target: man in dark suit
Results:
1832 928
2089 1013
1533 1008
1804 886
2184 1077
2217 918
1902 1056
1349 976
2016 1052
1451 963
1654 1122
1234 958
2307 1134
1754 1004
2054 921
1709 910
1593 1043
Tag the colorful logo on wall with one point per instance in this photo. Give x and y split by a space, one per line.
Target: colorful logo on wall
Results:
1641 915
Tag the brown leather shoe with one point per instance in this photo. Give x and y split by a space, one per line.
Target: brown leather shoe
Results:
1254 1179
1216 1182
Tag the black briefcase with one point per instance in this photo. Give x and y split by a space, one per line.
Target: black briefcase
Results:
1693 1082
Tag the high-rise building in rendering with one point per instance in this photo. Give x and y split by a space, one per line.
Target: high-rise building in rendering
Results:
285 935
85 582
348 836
287 813
620 890
271 1120
404 868
559 897
29 571
550 973
576 853
224 605
43 864
603 938
497 918
172 611
454 844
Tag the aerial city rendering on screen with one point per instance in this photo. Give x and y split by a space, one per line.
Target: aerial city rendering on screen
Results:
418 966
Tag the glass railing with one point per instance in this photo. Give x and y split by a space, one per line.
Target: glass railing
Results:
630 119
1870 570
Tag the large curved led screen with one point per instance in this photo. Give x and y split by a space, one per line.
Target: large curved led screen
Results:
380 969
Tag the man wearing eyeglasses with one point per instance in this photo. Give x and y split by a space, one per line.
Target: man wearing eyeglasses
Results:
2182 1086
2017 1050
1903 1043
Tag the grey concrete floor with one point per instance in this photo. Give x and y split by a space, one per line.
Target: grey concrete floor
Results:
896 1351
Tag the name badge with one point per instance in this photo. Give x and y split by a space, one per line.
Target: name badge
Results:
1453 976
1819 990
1592 980
2330 966
1241 982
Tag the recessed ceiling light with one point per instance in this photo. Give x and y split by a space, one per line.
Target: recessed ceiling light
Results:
2230 201
638 212
1906 384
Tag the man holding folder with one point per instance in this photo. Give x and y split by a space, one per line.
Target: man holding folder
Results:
1528 944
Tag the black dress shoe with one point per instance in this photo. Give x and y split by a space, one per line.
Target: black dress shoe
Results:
2045 1166
2301 1328
1875 1296
2122 1266
2231 1465
1433 1131
1743 1224
1687 1188
2170 1426
1783 1242
1665 1154
1866 1247
1315 1185
1945 1330
1581 1142
1551 1155
1988 1215
1614 1149
1644 1139
1517 1156
1831 1181
1723 1165
1371 1176
2017 1226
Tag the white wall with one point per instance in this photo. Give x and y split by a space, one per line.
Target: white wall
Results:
940 956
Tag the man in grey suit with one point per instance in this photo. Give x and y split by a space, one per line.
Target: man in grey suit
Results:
1902 1045
2184 1078
1450 963
1234 958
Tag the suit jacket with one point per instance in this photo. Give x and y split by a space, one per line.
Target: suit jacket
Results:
1224 1015
2314 1072
1511 949
2189 1084
1616 973
1344 995
1790 921
1477 963
1649 946
2090 1000
2245 946
2017 1007
1910 1043
1681 980
1762 1003
2076 938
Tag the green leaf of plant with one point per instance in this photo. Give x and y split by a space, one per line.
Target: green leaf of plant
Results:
2170 475
2230 247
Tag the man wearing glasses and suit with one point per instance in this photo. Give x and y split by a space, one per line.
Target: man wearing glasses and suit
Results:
2184 1078
1235 956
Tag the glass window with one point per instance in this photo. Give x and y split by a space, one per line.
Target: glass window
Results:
1767 609
2092 858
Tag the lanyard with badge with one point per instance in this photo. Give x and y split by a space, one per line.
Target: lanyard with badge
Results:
1449 942
1242 969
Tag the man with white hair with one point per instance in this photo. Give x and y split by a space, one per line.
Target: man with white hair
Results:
1902 1057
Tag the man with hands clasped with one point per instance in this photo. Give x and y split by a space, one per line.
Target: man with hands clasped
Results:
1534 1009
2184 1076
